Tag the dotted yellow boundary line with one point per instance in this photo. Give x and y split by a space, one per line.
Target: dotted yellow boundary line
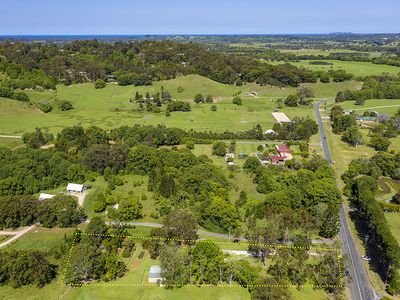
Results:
322 249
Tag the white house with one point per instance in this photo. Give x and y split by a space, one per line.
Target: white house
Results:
155 275
74 188
44 196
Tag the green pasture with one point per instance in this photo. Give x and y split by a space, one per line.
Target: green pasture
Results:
110 107
355 68
382 106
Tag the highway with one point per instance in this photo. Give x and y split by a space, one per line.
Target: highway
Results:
360 286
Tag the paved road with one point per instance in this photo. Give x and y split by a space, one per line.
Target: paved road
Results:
16 235
214 234
360 286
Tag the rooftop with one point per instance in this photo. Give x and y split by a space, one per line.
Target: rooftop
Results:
281 117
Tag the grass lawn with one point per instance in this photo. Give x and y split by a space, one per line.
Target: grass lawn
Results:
355 68
42 239
382 106
110 107
394 224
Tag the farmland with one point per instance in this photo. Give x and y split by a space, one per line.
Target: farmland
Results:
355 68
110 107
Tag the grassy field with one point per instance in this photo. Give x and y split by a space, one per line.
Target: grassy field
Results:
110 107
41 239
382 106
355 68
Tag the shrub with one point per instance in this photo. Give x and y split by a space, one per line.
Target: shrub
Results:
99 84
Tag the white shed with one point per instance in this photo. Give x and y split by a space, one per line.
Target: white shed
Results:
155 275
44 196
74 188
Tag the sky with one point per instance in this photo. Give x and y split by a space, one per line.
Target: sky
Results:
70 17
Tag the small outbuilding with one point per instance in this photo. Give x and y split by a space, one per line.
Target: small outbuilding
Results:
74 188
155 275
44 196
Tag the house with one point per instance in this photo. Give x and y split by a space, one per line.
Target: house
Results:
155 275
229 155
281 117
347 112
276 159
284 151
74 188
44 196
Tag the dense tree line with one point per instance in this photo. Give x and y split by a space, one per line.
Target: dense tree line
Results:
136 62
61 211
28 267
28 171
382 246
375 87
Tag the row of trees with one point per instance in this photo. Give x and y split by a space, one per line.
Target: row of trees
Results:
382 246
375 87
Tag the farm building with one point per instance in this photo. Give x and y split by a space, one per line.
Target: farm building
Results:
281 117
44 196
155 275
74 188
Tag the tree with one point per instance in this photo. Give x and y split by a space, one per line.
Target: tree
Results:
221 213
209 99
167 187
343 122
99 84
173 265
181 224
113 267
325 78
263 235
65 105
270 288
99 203
291 100
251 164
207 263
237 100
242 199
219 149
329 227
87 263
352 136
214 108
379 142
129 209
198 98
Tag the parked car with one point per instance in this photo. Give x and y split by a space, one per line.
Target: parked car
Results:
366 258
